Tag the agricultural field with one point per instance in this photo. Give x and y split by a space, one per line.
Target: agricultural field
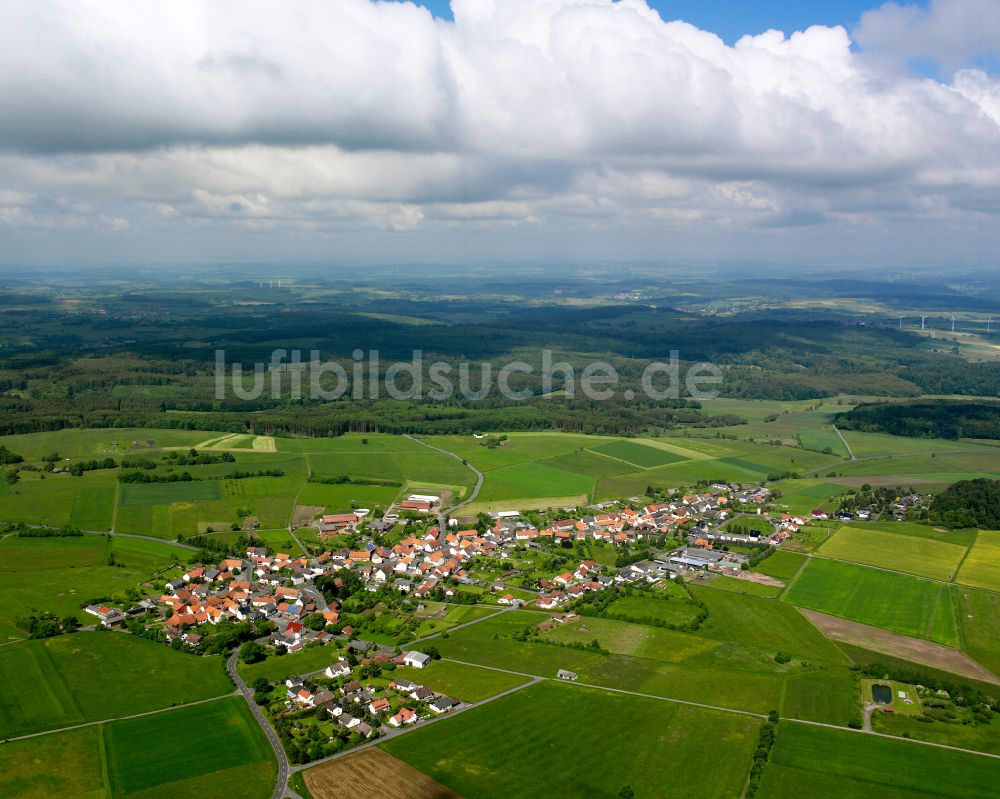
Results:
524 728
782 565
462 682
640 455
918 556
145 758
373 774
636 640
724 582
71 679
896 602
641 608
763 623
979 617
818 761
58 575
153 756
981 568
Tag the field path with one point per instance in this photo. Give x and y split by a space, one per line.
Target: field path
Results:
847 446
731 710
119 718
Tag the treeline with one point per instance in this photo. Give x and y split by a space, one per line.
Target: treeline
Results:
968 503
952 419
345 479
186 477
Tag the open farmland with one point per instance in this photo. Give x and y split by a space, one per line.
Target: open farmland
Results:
782 565
815 761
919 556
981 568
374 774
462 682
636 640
58 574
764 623
153 756
643 743
896 602
57 682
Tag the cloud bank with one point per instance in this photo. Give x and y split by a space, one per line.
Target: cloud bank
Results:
319 119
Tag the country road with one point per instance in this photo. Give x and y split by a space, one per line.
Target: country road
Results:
395 733
281 785
475 491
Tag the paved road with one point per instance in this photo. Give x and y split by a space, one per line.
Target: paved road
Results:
120 718
396 732
475 491
281 785
172 542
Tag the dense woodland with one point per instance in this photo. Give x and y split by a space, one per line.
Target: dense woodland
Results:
926 419
136 353
969 503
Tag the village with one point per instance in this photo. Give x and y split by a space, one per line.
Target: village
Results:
283 604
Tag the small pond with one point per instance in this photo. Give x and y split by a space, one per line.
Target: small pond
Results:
882 694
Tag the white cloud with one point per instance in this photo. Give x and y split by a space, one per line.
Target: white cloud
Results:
330 116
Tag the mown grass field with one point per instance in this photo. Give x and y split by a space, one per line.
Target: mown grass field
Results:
782 565
70 679
153 756
896 602
981 568
814 761
919 556
58 575
764 623
642 743
636 640
979 616
459 681
667 609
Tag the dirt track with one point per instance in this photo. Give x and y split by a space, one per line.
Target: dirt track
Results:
930 654
373 774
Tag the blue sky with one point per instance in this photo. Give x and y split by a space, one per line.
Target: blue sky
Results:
731 19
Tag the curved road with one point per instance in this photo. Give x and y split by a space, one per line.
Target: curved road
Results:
475 491
281 786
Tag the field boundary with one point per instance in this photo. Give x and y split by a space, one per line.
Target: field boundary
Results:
121 718
917 650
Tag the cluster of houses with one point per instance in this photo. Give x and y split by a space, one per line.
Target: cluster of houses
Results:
351 703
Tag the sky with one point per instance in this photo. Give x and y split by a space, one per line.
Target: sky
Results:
839 133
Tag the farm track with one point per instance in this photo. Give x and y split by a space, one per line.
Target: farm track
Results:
119 718
732 711
850 452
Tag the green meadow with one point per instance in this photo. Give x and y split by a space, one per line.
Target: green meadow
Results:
919 556
893 601
58 575
71 679
643 743
465 683
815 761
981 568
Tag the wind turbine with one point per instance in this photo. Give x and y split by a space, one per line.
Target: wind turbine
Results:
922 320
989 319
901 323
953 323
